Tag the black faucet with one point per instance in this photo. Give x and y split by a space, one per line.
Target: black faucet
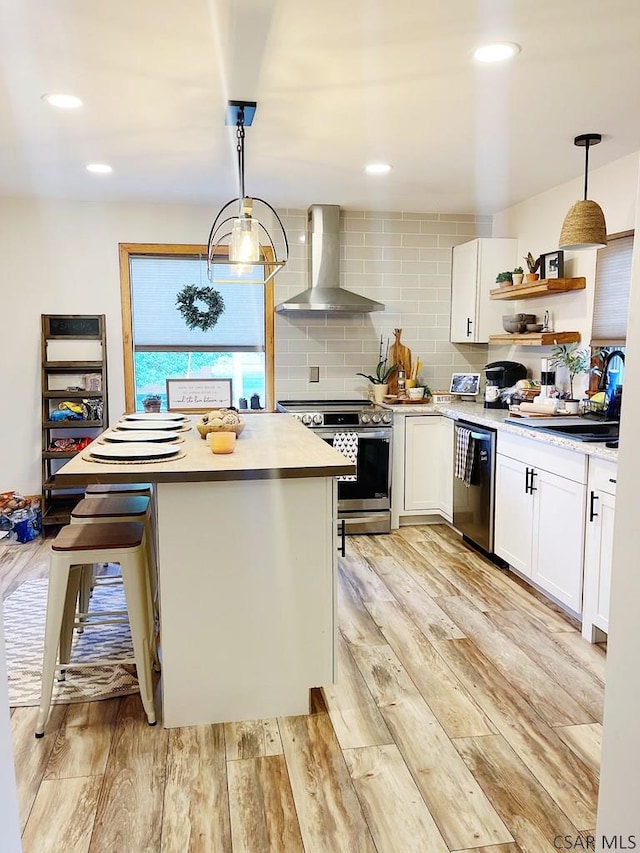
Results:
614 400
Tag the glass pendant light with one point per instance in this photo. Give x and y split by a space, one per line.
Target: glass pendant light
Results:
247 232
584 226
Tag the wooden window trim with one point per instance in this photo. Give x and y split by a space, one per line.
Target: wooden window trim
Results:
161 250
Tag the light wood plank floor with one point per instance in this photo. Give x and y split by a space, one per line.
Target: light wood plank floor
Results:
467 717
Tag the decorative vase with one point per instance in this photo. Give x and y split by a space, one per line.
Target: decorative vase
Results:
530 277
517 278
380 392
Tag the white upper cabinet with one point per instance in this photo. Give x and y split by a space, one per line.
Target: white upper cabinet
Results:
473 274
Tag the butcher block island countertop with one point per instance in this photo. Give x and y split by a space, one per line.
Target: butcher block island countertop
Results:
246 548
271 446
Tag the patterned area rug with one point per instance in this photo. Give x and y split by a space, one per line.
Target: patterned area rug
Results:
24 619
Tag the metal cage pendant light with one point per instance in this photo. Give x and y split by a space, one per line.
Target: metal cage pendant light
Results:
247 232
584 226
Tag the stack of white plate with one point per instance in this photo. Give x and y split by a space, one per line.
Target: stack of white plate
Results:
154 421
134 452
122 436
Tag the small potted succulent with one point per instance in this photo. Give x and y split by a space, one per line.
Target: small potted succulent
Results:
533 264
151 403
517 275
504 279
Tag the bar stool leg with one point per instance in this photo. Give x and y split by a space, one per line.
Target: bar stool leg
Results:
86 586
136 590
69 617
58 582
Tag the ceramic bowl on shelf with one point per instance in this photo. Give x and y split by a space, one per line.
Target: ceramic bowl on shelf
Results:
512 324
534 327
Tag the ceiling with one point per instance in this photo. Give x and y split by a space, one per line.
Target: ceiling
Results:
338 84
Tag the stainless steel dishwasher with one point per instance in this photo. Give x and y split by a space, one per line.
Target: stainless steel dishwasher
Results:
474 500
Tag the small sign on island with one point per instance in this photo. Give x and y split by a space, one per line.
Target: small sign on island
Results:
198 395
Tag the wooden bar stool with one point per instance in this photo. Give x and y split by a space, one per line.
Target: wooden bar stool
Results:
75 546
99 490
109 509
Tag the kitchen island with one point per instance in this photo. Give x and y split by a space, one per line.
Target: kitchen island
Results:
246 546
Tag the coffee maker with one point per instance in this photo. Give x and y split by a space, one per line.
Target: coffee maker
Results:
501 374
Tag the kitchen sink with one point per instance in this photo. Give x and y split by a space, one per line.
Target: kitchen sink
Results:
583 431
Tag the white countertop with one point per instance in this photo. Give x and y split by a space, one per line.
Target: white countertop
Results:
272 446
497 419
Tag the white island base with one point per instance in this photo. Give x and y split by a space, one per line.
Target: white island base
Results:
246 578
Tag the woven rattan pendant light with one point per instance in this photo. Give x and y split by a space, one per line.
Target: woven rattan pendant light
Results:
584 226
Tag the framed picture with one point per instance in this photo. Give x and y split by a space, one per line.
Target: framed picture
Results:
198 395
552 265
464 383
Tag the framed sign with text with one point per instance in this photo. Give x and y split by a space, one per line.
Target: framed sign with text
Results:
198 395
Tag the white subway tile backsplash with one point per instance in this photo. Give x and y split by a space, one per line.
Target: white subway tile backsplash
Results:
400 258
366 226
427 217
402 226
383 239
404 253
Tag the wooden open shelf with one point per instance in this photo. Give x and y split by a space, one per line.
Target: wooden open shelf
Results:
536 339
542 287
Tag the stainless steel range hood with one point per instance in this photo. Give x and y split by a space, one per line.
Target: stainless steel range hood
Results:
323 246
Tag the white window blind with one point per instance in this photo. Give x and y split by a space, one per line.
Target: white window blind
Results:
155 283
611 303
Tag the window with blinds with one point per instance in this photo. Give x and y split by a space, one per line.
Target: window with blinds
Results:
611 301
158 343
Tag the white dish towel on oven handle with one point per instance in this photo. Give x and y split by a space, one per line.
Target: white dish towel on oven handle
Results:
347 444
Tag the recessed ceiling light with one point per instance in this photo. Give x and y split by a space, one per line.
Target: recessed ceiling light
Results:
99 168
63 102
377 168
497 52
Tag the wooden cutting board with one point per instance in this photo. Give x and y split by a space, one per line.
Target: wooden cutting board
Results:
400 355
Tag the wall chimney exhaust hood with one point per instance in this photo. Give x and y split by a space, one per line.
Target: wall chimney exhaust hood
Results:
323 247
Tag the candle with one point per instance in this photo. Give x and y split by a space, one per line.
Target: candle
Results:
222 442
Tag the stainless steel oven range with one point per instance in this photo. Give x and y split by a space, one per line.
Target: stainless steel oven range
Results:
359 428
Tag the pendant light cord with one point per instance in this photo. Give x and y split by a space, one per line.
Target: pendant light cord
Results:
586 168
240 149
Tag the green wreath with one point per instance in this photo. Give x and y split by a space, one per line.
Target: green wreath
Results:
193 316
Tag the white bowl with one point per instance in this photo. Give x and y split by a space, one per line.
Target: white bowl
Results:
415 393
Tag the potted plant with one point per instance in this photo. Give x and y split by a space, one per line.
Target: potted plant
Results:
151 403
533 265
517 275
575 360
504 279
383 372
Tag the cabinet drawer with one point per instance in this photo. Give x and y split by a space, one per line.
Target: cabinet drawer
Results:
556 460
602 475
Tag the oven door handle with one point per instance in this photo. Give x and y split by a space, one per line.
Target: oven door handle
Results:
369 433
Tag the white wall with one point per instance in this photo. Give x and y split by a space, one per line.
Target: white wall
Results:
618 808
537 222
62 257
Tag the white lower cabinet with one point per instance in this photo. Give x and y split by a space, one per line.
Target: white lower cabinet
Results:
539 518
514 514
422 481
423 467
445 466
599 548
